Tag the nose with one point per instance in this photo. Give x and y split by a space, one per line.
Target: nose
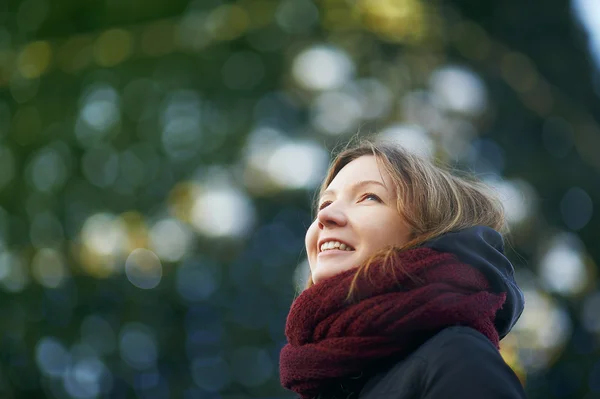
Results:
331 216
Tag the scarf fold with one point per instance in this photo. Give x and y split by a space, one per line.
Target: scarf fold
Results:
329 339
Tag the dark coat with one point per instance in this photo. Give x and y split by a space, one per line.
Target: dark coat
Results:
456 362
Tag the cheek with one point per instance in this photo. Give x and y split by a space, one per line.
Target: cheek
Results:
376 236
393 234
310 240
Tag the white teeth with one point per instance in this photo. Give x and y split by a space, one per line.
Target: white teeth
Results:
334 245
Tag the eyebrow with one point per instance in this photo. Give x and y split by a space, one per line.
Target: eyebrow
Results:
357 185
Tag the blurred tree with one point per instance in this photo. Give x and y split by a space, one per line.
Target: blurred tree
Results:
157 160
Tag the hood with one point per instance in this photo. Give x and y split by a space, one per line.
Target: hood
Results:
483 248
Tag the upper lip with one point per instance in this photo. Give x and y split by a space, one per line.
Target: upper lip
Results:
324 240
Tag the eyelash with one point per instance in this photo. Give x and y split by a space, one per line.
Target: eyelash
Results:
365 196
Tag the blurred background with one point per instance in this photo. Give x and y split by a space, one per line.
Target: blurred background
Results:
158 161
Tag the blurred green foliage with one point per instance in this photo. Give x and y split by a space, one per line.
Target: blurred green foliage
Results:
158 161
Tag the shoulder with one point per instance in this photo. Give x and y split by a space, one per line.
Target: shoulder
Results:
453 347
456 340
455 362
462 361
459 350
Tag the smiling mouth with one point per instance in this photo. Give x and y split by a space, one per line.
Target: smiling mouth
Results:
335 246
335 251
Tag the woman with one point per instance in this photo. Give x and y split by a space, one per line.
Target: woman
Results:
409 290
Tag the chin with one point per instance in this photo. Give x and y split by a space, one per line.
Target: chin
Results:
319 274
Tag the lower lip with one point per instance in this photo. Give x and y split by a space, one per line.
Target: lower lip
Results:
331 252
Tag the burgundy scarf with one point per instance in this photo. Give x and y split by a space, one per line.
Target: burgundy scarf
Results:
329 339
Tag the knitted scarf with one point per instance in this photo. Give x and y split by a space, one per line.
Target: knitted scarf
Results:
330 339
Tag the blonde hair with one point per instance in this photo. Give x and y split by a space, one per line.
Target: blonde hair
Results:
432 200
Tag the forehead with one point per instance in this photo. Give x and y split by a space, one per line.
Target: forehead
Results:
361 169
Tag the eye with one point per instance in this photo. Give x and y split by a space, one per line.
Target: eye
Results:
371 195
324 204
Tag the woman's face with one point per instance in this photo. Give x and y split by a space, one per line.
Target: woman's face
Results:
358 210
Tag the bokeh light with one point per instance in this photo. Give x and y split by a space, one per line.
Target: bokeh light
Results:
48 169
222 212
13 276
48 268
87 378
459 90
297 16
336 112
170 239
34 59
100 108
322 68
143 268
210 373
138 346
112 47
576 208
276 162
104 234
563 266
52 357
297 165
182 129
517 196
197 279
412 137
543 329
